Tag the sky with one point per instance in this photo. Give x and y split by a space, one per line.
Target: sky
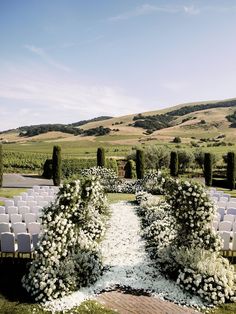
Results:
62 61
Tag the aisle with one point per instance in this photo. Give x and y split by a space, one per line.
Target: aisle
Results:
127 264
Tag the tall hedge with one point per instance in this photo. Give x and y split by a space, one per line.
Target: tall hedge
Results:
130 169
231 170
1 165
174 164
140 164
56 165
101 160
47 169
208 168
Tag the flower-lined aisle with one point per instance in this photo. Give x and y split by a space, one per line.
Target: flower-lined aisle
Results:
127 264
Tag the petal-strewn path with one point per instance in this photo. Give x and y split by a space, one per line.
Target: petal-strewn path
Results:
128 265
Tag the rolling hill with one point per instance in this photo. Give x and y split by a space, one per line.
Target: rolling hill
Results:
192 120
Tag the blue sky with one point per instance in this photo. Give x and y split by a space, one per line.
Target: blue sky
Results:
63 61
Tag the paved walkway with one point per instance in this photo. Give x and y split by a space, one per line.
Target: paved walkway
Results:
132 304
15 180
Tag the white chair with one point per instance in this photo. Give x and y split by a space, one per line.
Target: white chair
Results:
2 210
12 210
21 203
36 188
35 240
8 244
222 204
4 227
221 211
223 199
24 243
16 218
42 203
29 198
31 204
231 211
215 224
23 210
49 198
225 226
231 204
226 239
229 217
39 198
4 218
24 196
16 199
19 227
232 245
30 217
9 203
45 188
34 227
228 196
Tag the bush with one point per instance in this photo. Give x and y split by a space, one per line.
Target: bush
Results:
56 165
231 170
130 167
208 169
156 157
140 163
101 160
111 163
174 164
177 140
185 160
199 159
1 165
47 169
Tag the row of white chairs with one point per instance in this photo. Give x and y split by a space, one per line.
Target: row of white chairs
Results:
25 243
230 211
20 227
43 201
228 245
22 217
224 226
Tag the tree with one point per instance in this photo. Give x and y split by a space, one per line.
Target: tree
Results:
174 164
56 165
101 160
177 140
231 170
208 169
157 157
140 164
130 168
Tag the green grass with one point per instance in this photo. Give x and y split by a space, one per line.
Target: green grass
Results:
116 197
224 309
10 192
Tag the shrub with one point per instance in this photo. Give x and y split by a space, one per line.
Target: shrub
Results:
1 165
231 170
177 139
208 169
156 157
111 163
185 160
199 159
140 163
174 164
56 165
47 169
72 167
130 167
101 157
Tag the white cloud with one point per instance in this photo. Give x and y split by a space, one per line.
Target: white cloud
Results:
40 97
46 58
147 9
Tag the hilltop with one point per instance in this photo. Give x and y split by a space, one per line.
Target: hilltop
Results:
198 120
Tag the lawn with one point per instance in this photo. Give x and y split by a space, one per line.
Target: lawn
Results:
117 197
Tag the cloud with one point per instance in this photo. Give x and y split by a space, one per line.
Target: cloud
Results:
147 9
46 58
36 96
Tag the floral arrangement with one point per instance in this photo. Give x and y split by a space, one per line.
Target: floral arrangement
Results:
68 255
180 237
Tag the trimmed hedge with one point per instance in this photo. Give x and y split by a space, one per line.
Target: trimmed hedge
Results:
231 170
1 165
130 168
56 165
101 160
174 164
140 164
208 169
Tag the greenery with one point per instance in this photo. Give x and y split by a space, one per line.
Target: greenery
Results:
98 131
130 169
117 197
10 192
154 122
101 159
232 118
47 169
56 165
140 164
231 170
156 157
1 165
111 163
174 164
185 159
208 169
177 140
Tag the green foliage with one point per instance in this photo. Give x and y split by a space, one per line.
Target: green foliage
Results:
186 158
232 118
99 131
47 169
199 158
71 167
101 160
177 140
174 164
231 170
111 163
1 165
140 164
56 165
208 169
44 128
156 157
130 169
154 122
